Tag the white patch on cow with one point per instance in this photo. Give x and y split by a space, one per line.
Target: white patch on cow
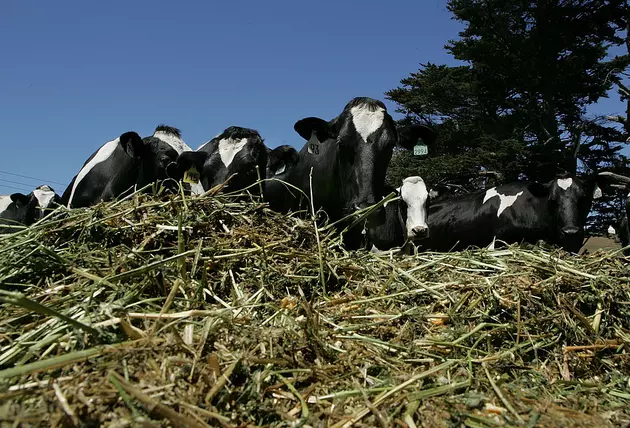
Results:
492 244
597 192
281 169
505 201
5 201
414 193
44 195
172 140
228 148
366 121
102 155
490 193
611 230
565 183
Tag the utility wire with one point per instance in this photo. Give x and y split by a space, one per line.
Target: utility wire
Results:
17 182
12 187
32 178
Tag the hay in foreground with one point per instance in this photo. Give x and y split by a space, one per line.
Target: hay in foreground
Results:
212 312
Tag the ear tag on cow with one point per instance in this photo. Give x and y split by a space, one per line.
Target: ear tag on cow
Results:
191 176
420 149
597 193
313 145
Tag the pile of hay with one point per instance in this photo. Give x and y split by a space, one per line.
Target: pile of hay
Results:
213 312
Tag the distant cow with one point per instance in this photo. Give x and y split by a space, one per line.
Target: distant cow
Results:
236 150
348 157
24 210
517 212
280 164
125 163
405 219
623 231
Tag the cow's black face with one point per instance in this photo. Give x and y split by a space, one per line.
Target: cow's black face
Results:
156 162
570 201
237 152
22 210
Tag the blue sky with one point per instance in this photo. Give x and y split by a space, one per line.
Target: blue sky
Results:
76 74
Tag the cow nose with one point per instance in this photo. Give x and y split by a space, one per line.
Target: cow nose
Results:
420 232
570 231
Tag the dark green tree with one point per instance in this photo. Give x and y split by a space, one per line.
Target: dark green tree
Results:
517 104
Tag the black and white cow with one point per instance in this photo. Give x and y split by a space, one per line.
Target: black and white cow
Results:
24 210
405 218
554 212
17 210
236 150
349 156
280 164
623 230
125 163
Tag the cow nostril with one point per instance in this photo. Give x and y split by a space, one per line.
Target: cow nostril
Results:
420 232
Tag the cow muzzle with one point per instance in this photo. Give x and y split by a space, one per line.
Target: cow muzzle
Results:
419 232
569 232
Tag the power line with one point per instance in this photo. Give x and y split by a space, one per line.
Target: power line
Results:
32 178
11 187
17 182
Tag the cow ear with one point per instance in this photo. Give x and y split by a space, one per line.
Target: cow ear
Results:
538 190
187 160
20 198
307 126
282 156
409 135
132 144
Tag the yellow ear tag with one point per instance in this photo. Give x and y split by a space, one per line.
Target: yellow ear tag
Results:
191 176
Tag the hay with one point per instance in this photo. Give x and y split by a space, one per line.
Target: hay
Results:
210 312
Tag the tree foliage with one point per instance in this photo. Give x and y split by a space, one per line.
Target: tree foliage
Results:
518 103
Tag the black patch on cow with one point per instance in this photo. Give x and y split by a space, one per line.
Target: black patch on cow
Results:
305 128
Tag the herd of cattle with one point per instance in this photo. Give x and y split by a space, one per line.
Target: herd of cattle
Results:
342 167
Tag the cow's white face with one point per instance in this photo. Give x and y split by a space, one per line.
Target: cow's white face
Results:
414 194
367 121
44 195
229 147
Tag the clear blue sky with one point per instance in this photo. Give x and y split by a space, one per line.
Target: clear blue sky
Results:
75 74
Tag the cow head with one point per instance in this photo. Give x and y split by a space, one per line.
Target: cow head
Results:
414 199
236 150
17 209
280 161
569 201
46 198
158 156
364 136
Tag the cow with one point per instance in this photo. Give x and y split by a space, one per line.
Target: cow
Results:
280 164
348 157
239 153
17 210
405 218
126 163
24 210
47 200
554 212
623 231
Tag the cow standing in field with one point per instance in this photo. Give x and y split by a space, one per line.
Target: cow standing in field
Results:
23 210
405 218
238 152
348 157
517 212
126 163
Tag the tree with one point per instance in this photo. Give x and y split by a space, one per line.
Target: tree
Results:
518 103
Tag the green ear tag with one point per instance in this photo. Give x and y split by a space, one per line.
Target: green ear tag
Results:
313 145
420 149
191 176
